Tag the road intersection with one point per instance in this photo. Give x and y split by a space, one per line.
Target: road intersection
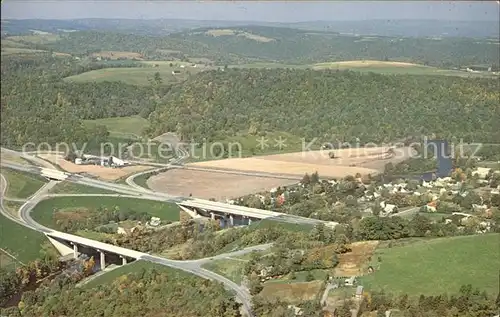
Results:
191 266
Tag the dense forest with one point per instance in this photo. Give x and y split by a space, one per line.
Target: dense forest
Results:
37 106
147 292
262 43
332 105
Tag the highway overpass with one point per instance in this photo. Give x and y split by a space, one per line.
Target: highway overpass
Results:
197 207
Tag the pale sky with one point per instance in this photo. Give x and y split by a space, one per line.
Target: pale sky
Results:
268 11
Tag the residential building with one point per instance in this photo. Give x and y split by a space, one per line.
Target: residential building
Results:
155 221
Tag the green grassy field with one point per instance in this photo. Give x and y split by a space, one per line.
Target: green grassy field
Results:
23 243
133 267
382 67
20 50
20 184
42 213
438 266
72 188
137 75
395 68
122 126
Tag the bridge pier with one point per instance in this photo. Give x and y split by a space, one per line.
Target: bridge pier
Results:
75 251
102 260
249 221
124 260
231 220
212 215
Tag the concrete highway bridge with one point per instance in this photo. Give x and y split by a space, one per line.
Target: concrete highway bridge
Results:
68 244
195 207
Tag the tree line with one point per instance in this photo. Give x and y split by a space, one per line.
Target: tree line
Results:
334 106
281 44
146 292
38 106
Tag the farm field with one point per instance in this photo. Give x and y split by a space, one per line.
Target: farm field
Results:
20 184
21 242
136 75
105 173
114 55
346 162
43 212
294 293
438 266
20 50
382 67
395 68
230 32
122 126
206 184
354 263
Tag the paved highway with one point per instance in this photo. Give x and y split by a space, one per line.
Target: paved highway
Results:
192 266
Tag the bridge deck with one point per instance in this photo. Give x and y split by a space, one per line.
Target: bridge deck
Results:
230 209
96 244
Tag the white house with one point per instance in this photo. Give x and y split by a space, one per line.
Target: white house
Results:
481 172
155 221
388 208
430 208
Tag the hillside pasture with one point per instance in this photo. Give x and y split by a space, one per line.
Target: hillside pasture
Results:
20 50
393 68
229 32
114 55
346 162
136 75
437 266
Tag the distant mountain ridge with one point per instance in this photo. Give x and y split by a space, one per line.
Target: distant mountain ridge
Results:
406 28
